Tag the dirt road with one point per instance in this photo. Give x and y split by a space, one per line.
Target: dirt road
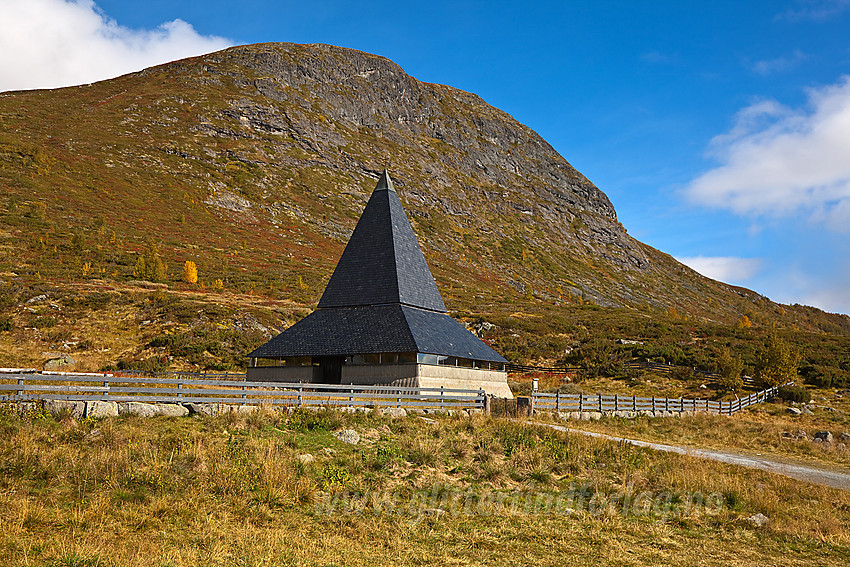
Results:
815 475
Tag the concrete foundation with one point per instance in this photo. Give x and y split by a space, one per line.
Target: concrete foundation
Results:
493 382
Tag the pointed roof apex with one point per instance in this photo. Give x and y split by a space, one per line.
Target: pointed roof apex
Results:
384 182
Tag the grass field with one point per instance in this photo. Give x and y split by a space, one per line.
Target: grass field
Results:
235 490
758 429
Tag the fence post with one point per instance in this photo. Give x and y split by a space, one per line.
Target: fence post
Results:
558 402
244 389
666 403
599 399
580 402
488 401
179 387
616 403
653 405
300 391
634 404
20 383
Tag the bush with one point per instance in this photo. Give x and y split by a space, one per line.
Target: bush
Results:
795 394
825 376
5 324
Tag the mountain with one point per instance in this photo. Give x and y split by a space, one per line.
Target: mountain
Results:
256 161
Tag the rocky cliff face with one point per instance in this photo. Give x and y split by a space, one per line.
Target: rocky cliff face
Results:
450 152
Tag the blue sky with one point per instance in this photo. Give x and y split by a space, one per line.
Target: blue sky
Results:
720 130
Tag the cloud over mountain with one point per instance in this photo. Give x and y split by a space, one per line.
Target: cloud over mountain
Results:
56 43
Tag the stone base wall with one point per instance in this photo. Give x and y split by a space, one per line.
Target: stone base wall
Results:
494 382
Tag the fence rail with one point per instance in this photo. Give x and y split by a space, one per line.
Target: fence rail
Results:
615 402
89 387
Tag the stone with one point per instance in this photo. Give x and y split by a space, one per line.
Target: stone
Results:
37 298
801 434
806 411
244 409
72 408
787 435
794 411
203 409
28 407
306 459
139 409
844 437
328 451
394 412
348 436
817 440
824 436
758 520
98 409
172 410
60 362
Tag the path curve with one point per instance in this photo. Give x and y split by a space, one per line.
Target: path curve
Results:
815 475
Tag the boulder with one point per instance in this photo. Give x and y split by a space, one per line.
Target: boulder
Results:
824 436
348 436
61 362
844 437
98 409
794 411
195 408
807 411
72 408
139 409
306 459
394 412
758 520
171 410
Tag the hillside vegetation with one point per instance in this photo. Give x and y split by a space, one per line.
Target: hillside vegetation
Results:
254 163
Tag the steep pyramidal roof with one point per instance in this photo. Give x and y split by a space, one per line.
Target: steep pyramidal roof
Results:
382 262
380 298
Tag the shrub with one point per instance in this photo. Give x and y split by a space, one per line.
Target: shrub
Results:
776 362
730 369
795 394
190 272
150 266
5 324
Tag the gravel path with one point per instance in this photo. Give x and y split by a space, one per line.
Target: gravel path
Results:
824 477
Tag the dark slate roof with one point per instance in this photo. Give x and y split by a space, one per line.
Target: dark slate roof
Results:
382 262
376 328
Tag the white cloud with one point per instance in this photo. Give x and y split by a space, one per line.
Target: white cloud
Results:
54 43
781 161
817 10
729 269
659 58
769 66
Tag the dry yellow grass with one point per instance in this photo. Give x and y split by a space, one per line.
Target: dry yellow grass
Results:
232 491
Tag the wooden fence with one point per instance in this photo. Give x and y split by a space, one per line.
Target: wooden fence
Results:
93 387
614 402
